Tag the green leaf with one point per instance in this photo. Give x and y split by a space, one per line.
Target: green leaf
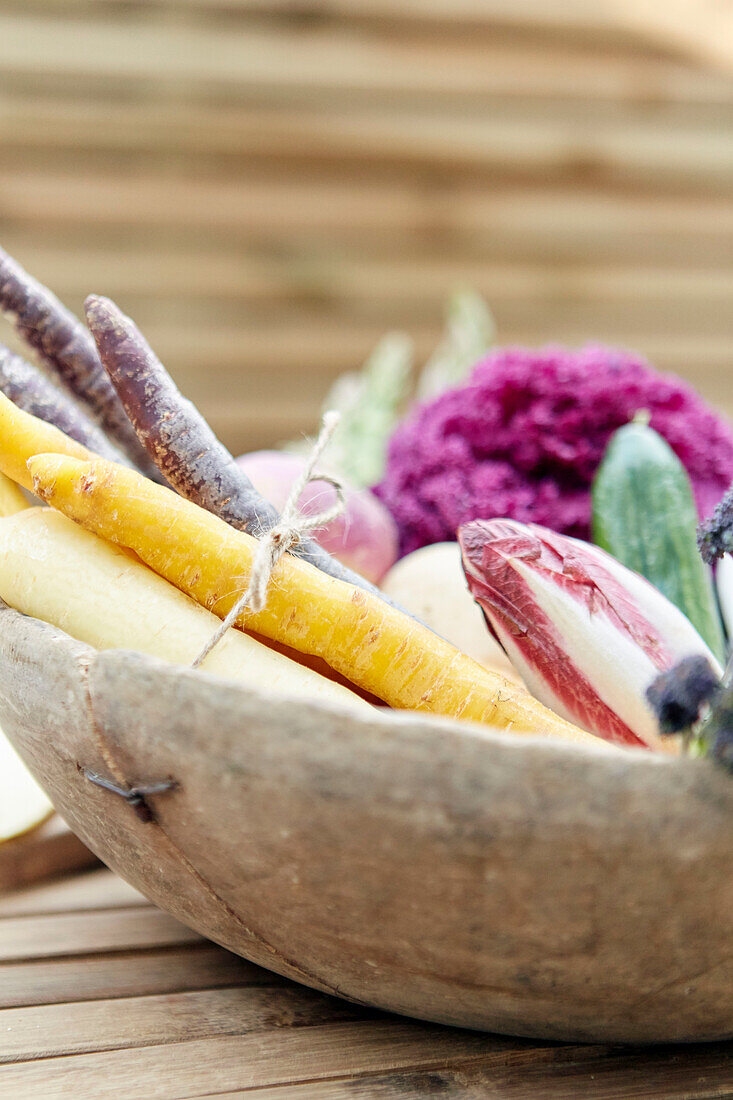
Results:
470 331
370 402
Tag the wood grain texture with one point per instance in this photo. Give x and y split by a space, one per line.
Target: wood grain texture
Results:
125 974
196 1021
96 889
135 1022
186 1069
412 864
268 186
52 849
564 1074
52 936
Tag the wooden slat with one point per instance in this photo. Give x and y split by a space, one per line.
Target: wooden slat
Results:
245 409
52 849
573 18
695 1073
128 974
135 1022
226 1063
626 151
250 363
705 29
51 936
255 358
682 1074
369 63
79 205
280 1040
97 889
690 26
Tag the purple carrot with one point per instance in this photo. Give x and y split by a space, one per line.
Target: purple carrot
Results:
28 388
68 351
179 440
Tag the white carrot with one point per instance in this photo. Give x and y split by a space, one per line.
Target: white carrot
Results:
54 570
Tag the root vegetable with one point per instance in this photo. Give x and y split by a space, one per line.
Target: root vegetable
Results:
364 538
431 584
373 645
67 349
28 388
54 570
23 804
22 435
11 498
178 439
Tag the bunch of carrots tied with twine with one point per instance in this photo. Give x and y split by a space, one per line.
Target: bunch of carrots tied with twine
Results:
152 538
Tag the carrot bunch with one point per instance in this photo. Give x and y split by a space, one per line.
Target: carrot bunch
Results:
200 535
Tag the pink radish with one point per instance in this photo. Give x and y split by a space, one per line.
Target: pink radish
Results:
364 538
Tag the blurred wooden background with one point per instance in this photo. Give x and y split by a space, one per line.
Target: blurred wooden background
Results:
270 185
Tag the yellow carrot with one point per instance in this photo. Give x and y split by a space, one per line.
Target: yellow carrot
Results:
11 498
103 595
23 805
22 435
372 644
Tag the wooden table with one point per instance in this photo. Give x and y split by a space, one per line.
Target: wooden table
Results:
102 995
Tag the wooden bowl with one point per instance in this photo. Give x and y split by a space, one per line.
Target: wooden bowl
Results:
419 865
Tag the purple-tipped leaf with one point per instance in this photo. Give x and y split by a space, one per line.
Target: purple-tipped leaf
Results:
587 635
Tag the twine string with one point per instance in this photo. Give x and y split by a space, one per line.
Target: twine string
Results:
292 526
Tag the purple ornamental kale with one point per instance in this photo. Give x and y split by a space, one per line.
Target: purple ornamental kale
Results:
523 437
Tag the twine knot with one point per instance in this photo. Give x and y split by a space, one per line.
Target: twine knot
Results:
290 529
